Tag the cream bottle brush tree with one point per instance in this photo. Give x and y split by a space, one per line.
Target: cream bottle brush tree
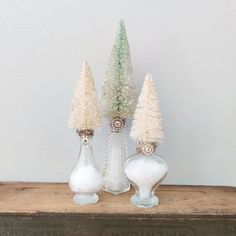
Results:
85 179
145 169
147 121
118 103
85 111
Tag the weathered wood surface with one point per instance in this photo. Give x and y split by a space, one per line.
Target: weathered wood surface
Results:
47 209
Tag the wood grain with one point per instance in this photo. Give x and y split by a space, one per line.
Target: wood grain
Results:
181 201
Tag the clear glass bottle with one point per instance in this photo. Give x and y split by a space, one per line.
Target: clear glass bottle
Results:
115 180
85 179
145 170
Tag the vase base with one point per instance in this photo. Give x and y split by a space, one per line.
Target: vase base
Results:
86 199
116 191
146 202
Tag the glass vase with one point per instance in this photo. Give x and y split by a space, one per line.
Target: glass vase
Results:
115 180
145 170
85 179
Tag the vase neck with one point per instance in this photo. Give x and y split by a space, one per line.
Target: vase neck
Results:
86 152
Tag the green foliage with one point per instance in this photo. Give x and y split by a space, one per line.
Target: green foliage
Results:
118 91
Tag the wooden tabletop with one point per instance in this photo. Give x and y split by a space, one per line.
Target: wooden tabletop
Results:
45 198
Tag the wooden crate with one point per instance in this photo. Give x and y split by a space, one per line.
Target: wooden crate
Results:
31 209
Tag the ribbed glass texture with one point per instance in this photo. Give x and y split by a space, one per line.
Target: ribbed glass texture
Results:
115 180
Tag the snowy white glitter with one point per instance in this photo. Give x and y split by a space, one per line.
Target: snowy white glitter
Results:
145 172
86 179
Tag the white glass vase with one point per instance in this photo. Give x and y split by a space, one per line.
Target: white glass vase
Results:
115 180
85 179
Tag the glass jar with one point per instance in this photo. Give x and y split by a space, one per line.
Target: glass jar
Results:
115 180
145 170
85 179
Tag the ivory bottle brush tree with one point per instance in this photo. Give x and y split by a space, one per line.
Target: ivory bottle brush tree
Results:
85 112
145 169
147 121
118 103
85 116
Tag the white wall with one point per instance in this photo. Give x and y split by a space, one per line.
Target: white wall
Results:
189 46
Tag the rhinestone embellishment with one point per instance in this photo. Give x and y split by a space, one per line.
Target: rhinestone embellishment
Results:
85 135
146 148
117 124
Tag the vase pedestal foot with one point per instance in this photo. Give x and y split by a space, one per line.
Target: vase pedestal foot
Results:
144 202
85 199
110 188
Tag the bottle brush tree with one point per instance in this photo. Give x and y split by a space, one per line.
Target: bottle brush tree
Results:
118 90
147 122
85 112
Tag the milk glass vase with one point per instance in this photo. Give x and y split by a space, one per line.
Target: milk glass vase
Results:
115 180
145 170
85 179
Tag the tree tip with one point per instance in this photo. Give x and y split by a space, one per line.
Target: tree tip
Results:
85 63
122 22
148 76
